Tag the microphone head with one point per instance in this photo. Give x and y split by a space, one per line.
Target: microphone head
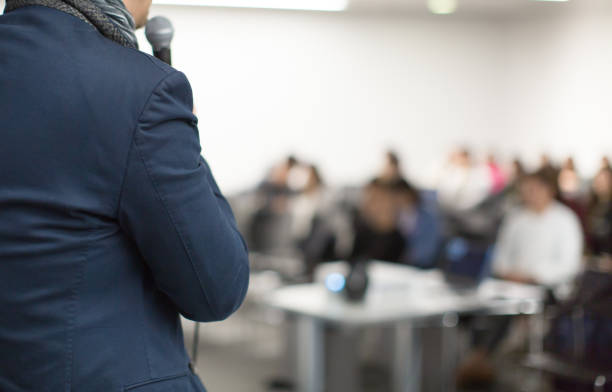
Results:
159 32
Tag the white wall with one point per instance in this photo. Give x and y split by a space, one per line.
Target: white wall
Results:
558 90
337 89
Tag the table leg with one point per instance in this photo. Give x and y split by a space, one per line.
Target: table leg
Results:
342 360
407 361
196 343
310 355
536 326
449 351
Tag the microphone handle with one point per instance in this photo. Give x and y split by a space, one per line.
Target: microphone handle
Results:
164 54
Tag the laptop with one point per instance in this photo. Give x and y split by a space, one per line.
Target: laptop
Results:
466 263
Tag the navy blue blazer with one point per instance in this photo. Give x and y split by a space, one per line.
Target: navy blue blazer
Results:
111 223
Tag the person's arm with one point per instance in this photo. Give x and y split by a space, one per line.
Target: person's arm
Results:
173 210
425 239
504 253
566 262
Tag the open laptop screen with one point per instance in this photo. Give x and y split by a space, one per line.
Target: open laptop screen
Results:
467 261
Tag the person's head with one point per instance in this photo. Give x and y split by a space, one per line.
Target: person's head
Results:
392 158
314 181
538 191
461 157
391 170
291 161
280 173
602 185
139 10
378 205
545 161
569 164
518 170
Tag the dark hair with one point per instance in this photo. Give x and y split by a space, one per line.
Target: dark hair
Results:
291 161
393 158
404 187
544 177
376 183
315 172
519 167
593 198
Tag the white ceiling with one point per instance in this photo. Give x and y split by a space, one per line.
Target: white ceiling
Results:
487 7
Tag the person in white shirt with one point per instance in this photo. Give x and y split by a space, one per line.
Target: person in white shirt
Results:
463 184
540 242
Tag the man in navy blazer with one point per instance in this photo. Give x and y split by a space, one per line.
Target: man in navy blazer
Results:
111 223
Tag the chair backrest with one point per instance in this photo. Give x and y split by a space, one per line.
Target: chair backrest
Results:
581 328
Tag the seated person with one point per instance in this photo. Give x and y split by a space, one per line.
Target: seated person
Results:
267 231
376 234
419 226
307 203
391 170
539 243
571 190
276 182
467 204
549 168
463 183
498 177
320 228
599 214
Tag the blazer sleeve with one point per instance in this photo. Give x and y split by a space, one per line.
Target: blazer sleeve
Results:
171 206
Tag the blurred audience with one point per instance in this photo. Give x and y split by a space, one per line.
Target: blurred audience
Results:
605 163
377 235
274 190
532 221
469 197
463 183
599 213
267 229
308 203
391 170
419 225
548 168
571 192
320 229
517 171
540 242
277 178
496 173
570 186
393 220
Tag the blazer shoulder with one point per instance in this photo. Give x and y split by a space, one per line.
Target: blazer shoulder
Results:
138 63
125 72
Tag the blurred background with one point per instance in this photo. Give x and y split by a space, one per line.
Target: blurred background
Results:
401 130
423 184
514 77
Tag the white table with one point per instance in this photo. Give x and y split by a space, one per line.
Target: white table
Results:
399 296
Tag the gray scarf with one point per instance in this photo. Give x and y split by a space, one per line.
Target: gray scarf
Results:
109 17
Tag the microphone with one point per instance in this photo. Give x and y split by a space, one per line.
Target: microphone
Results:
159 32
